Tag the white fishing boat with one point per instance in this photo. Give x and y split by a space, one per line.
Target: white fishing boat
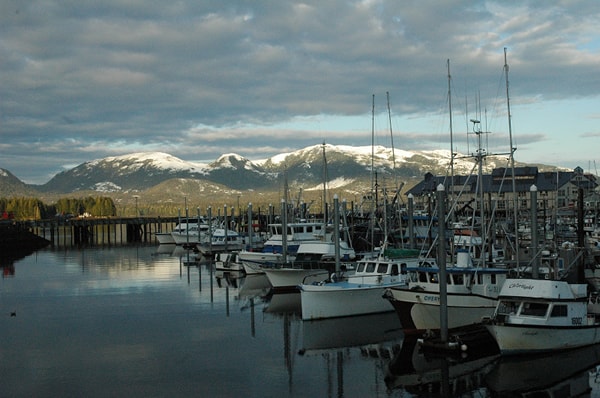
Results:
360 292
314 262
541 315
220 240
190 232
272 251
472 293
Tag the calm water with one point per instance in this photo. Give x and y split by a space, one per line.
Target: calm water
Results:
137 321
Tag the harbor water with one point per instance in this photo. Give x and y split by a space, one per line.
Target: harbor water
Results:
150 321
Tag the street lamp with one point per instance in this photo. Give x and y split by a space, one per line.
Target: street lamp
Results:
137 214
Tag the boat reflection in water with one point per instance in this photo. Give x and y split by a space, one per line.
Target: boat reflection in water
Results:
280 303
569 373
342 343
255 285
369 332
566 373
417 372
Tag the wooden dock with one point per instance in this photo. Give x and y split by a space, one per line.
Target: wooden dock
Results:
100 230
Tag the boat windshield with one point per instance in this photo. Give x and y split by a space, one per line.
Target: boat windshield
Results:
508 307
534 309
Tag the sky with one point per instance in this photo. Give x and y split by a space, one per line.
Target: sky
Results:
83 80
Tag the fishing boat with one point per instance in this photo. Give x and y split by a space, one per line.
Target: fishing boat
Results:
472 293
542 315
273 251
220 240
189 232
358 293
313 262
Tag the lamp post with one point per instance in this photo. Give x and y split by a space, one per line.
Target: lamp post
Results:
137 214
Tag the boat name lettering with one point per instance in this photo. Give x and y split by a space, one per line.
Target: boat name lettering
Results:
431 298
521 285
577 320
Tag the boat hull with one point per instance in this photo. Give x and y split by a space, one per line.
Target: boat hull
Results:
183 238
259 259
288 279
520 339
419 311
342 299
209 249
164 238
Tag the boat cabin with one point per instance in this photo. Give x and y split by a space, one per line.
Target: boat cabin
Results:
542 302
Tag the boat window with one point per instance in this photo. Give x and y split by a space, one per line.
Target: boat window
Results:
508 307
534 309
422 276
480 279
493 278
559 310
458 279
370 267
382 268
394 269
361 267
433 277
403 268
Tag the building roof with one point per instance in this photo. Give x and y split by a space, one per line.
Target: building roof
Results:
500 180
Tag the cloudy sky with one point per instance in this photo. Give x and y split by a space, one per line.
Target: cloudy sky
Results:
82 80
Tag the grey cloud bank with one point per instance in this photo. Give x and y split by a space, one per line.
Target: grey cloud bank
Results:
82 81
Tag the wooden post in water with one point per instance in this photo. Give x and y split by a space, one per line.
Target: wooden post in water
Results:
226 224
210 228
336 233
441 198
535 265
250 231
411 232
284 247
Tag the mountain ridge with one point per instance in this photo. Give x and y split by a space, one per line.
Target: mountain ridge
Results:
347 166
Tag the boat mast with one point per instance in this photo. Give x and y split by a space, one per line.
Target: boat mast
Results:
449 195
451 142
373 202
392 140
512 165
324 186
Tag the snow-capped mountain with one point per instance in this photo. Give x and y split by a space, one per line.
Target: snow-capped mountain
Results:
134 171
345 165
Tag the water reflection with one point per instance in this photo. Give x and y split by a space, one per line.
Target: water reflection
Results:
365 331
420 373
564 374
138 321
485 373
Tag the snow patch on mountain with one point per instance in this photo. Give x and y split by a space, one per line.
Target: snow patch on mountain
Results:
106 186
159 160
